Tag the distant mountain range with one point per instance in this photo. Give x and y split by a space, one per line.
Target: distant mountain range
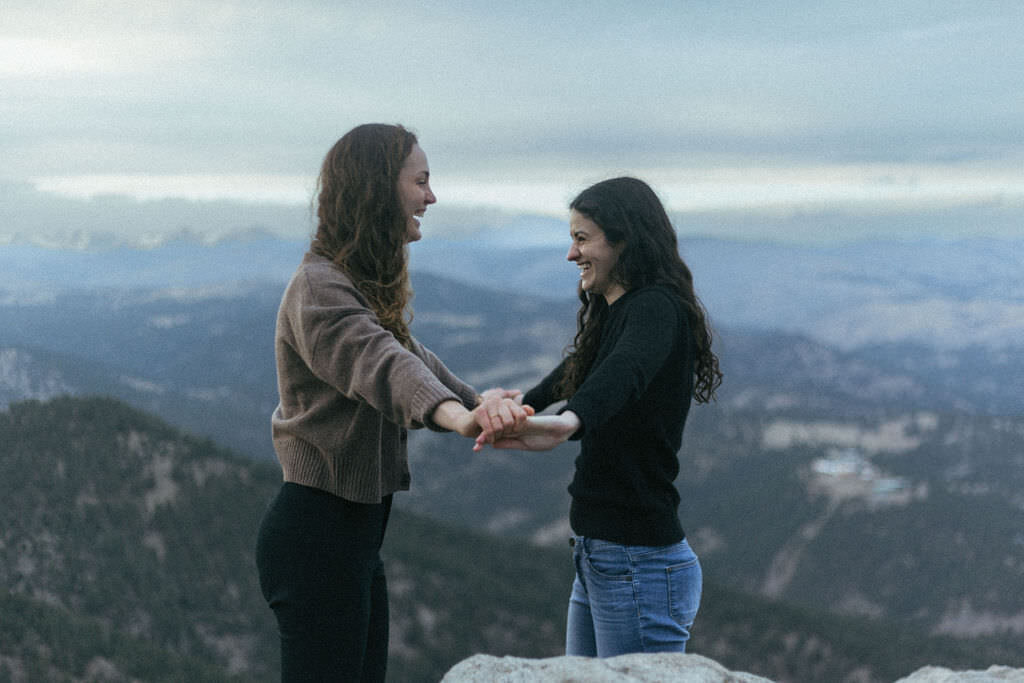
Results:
873 473
943 294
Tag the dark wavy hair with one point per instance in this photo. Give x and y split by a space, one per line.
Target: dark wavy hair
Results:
361 224
629 213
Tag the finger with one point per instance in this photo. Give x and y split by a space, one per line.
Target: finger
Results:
519 416
500 419
492 407
486 422
522 414
495 417
508 418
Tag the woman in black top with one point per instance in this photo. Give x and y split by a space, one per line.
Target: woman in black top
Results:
641 352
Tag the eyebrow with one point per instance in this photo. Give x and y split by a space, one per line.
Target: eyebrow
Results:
416 174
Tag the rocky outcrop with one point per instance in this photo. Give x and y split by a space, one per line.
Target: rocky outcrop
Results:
663 668
660 668
937 674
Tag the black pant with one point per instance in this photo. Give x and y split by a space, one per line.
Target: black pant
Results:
320 570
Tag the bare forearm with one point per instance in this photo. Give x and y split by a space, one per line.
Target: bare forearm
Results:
565 425
453 415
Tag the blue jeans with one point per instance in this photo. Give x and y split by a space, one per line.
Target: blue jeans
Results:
631 598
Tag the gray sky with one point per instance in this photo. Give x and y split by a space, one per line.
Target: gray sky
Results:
791 107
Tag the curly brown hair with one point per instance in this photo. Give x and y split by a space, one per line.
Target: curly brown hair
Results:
361 223
629 212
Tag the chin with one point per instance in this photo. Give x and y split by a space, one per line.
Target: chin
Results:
413 232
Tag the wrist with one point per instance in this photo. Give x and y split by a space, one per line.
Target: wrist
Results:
451 415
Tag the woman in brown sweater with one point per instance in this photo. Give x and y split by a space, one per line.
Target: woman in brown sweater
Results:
352 380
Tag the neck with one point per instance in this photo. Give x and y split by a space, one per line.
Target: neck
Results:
614 293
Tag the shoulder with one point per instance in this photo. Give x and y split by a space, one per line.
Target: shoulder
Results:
655 309
653 300
315 268
319 280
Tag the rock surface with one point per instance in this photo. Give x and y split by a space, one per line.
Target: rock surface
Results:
663 668
937 674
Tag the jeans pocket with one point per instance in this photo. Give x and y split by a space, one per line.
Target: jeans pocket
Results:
684 591
607 560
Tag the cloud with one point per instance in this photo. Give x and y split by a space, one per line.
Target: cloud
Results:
29 58
510 100
28 216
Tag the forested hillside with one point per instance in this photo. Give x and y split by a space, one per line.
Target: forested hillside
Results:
833 479
126 553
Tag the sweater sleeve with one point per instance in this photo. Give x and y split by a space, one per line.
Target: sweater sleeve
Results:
543 395
343 344
649 329
467 394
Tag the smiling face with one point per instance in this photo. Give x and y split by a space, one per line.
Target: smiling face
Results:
596 258
414 191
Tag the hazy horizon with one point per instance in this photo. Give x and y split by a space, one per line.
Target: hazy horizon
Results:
31 217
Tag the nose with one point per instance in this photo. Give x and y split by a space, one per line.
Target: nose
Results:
430 198
573 254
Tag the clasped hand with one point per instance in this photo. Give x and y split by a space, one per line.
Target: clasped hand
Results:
532 433
502 421
501 412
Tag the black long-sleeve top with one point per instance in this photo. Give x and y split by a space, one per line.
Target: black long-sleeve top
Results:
633 405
